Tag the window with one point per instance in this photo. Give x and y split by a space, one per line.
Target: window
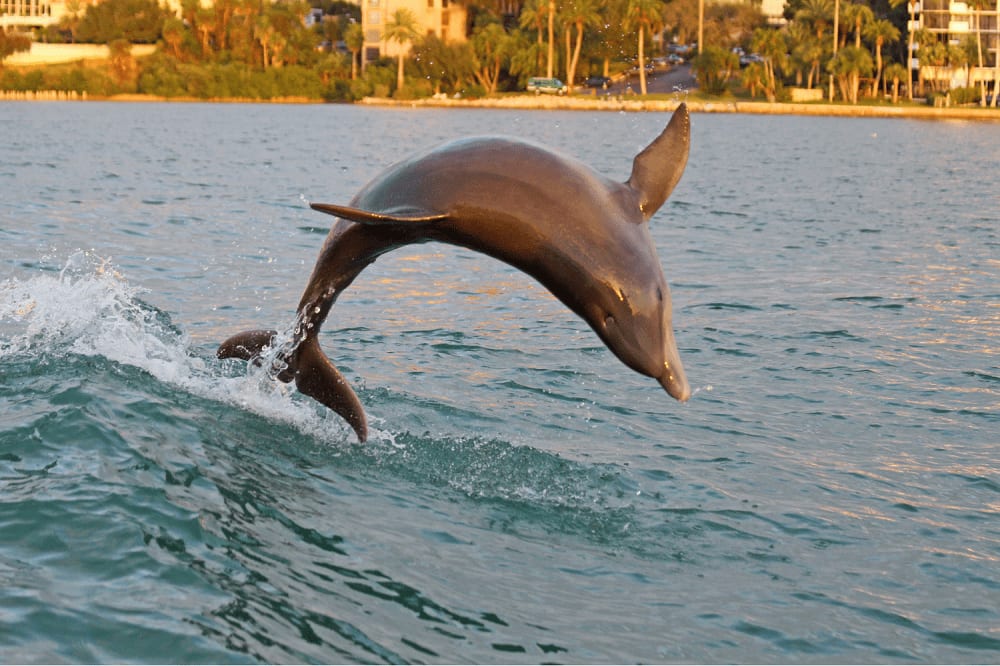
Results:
374 16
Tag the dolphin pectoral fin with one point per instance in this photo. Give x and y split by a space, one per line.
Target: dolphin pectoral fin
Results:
658 168
246 345
368 217
316 377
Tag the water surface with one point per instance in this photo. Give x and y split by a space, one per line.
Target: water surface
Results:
830 493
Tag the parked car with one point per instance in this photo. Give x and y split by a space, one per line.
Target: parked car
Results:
598 82
539 85
674 59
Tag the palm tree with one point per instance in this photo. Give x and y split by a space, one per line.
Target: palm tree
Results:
492 46
582 14
402 29
881 32
860 15
354 39
895 73
640 16
977 7
817 13
173 34
849 65
770 44
550 68
535 15
911 6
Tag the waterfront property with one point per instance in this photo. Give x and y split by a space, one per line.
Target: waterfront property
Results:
444 19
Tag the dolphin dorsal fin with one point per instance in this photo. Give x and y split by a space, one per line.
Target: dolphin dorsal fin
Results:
368 217
658 168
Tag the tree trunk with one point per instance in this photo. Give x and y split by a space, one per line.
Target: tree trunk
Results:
399 71
878 65
979 47
642 58
550 69
576 56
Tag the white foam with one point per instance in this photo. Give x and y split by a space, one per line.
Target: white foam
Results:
89 309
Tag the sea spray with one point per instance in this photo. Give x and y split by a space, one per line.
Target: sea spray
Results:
89 308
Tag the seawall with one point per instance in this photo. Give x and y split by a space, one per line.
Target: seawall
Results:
697 106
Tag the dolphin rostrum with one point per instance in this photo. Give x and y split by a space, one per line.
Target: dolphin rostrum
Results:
581 235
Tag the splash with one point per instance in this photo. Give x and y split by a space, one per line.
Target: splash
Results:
88 308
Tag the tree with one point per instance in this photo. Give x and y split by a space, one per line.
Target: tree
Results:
770 44
881 32
848 66
611 37
582 14
816 13
643 15
534 15
860 15
122 63
12 42
71 19
354 39
491 45
445 66
932 53
682 17
173 34
896 73
807 52
911 6
714 66
977 7
402 29
136 21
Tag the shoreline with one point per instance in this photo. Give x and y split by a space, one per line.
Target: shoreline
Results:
578 103
532 102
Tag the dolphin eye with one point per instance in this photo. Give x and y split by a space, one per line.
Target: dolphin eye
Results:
609 321
659 294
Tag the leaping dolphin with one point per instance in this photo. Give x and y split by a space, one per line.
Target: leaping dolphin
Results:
581 235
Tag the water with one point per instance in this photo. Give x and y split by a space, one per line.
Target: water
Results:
830 493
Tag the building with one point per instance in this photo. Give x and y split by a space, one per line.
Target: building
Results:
953 22
30 14
445 19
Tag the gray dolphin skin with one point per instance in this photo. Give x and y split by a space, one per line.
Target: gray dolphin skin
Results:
581 235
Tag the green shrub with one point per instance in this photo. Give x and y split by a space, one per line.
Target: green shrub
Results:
964 95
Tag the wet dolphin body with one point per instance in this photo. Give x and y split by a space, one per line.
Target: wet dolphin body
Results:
581 235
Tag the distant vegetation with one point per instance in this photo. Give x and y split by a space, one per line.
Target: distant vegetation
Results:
263 50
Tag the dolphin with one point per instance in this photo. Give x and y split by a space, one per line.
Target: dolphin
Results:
581 235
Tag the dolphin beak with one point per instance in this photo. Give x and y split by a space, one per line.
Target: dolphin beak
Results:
673 379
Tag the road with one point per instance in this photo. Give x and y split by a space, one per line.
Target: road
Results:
674 80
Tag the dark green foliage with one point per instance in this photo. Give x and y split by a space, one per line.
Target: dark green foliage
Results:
12 42
714 67
968 95
137 21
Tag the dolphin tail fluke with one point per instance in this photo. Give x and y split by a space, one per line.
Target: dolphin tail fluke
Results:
317 378
246 345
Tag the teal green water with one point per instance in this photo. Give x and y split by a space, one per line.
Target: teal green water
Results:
831 493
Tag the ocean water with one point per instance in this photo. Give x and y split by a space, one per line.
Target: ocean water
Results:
831 493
